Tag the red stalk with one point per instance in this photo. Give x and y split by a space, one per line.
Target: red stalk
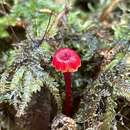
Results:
68 96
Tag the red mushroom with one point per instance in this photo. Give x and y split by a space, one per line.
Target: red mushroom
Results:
66 60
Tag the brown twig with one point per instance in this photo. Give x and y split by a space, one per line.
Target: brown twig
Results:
107 10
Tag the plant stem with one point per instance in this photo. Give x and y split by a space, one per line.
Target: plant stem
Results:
68 96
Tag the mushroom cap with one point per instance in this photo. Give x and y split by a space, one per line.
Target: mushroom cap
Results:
66 60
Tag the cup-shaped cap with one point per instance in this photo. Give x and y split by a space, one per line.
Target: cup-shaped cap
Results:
66 60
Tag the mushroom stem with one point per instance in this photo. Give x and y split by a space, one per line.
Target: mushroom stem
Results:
68 96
